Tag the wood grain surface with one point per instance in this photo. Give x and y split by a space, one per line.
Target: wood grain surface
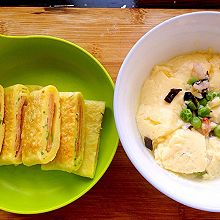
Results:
108 34
178 4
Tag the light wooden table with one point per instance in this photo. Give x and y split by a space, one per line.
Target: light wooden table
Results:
108 34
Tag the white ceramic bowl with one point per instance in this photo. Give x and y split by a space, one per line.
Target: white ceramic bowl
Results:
181 34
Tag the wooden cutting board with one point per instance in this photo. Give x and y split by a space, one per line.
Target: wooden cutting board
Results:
108 34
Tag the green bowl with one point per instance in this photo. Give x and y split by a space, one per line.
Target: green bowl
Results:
44 60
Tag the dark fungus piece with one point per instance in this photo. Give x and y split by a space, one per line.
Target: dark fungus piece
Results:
189 96
190 127
171 95
204 93
148 143
211 134
202 80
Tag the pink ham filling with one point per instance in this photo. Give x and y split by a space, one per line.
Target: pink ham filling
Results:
51 118
19 119
79 130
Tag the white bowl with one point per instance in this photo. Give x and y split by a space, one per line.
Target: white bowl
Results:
178 35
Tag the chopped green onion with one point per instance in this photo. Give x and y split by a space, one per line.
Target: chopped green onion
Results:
192 106
192 80
203 102
186 115
200 174
211 95
203 112
196 122
47 137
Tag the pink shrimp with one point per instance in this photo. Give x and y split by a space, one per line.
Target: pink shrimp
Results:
198 71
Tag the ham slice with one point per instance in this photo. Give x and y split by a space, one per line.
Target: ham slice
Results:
51 115
19 119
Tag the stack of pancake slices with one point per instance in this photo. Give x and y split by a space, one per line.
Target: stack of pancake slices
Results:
59 130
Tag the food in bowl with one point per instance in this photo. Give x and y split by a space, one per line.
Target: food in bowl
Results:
58 130
179 114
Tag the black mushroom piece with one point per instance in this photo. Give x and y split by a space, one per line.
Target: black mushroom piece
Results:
189 96
204 93
171 95
148 143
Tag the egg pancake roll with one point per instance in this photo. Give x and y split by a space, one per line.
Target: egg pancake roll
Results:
70 154
93 119
15 102
40 138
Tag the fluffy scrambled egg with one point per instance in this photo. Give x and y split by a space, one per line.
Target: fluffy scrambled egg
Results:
181 150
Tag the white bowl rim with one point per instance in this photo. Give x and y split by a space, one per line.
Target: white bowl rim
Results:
117 116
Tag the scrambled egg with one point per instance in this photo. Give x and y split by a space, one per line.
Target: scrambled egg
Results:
175 148
213 152
156 117
184 151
